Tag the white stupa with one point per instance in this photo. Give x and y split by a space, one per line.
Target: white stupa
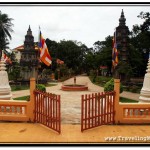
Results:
5 90
145 91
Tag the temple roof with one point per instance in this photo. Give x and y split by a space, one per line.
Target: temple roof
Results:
21 47
122 19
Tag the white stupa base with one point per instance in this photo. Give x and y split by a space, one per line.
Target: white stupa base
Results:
5 90
6 97
145 91
5 93
144 99
144 96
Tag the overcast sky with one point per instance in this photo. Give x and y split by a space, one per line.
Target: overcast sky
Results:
86 24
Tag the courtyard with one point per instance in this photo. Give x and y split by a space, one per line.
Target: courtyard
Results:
23 132
112 62
71 100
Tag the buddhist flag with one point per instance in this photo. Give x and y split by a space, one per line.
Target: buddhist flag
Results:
7 59
44 54
114 52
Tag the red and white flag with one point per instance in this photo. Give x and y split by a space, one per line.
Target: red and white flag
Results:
44 54
7 59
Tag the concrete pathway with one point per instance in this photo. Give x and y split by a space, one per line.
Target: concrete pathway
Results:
71 100
133 96
20 93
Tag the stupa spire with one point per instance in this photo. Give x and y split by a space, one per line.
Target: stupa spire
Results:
122 19
29 32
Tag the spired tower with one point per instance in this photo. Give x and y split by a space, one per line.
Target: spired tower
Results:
122 41
29 58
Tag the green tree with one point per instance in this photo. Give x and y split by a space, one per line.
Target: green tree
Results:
15 71
71 52
5 30
140 45
104 53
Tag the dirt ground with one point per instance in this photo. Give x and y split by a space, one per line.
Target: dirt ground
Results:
31 133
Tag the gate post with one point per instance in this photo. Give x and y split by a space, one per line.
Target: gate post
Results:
117 97
32 103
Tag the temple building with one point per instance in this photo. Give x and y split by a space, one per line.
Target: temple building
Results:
27 56
122 40
122 33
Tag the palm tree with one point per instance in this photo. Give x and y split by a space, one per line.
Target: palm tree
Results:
5 29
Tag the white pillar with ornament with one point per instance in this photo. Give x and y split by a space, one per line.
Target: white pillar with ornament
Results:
5 89
145 91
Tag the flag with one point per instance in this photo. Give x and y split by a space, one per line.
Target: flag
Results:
44 54
58 61
7 59
114 52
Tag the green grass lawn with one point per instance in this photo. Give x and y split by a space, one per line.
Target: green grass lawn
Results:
51 84
19 87
126 100
23 98
99 80
26 87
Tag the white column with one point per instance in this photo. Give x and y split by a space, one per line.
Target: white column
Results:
5 90
145 91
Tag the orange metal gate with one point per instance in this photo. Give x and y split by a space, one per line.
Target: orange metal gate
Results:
47 110
97 109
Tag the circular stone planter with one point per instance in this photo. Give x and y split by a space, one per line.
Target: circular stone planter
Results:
74 87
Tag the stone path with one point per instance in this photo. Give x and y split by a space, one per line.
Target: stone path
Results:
133 96
71 100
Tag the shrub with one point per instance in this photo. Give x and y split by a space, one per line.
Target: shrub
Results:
18 87
56 75
109 86
92 73
41 87
102 80
94 79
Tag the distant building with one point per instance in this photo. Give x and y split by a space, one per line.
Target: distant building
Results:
122 40
17 51
17 54
27 56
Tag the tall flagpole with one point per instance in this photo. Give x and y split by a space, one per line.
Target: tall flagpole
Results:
116 72
39 36
114 39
